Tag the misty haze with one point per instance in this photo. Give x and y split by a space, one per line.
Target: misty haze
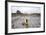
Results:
26 17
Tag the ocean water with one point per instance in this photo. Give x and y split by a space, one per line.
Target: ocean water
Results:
20 20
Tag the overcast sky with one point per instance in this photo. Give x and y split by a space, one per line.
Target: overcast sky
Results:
25 9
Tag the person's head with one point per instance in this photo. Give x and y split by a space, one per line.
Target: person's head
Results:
26 20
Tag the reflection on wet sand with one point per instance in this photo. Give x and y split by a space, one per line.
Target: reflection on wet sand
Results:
25 20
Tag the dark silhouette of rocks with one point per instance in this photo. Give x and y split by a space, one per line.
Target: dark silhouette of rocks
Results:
18 12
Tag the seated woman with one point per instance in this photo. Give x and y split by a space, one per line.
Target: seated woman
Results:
25 24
